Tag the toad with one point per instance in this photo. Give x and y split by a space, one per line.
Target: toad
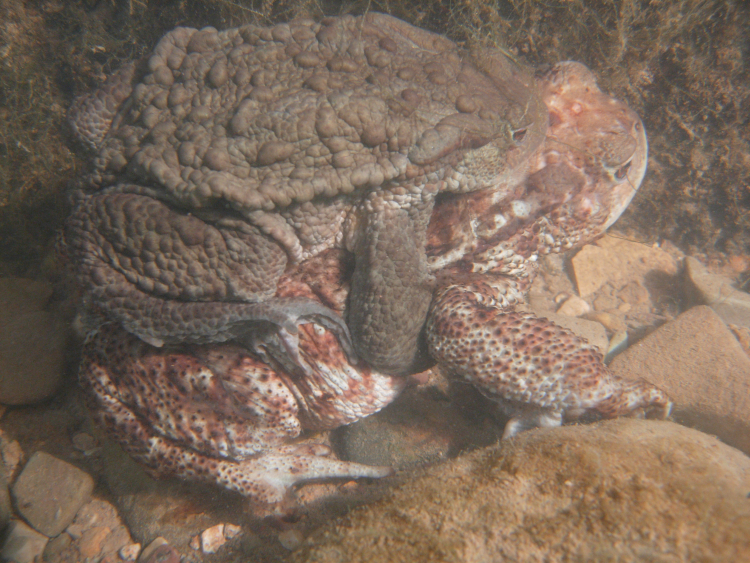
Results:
228 157
224 414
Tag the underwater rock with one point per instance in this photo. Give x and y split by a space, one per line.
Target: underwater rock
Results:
90 544
22 543
621 490
49 492
97 531
56 548
617 261
412 431
159 551
574 306
130 552
699 363
590 329
716 291
32 342
5 508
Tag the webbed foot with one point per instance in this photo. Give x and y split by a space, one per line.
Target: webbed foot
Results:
285 315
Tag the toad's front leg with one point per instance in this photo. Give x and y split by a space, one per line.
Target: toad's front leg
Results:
541 372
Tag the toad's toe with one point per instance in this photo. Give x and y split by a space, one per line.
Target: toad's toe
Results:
282 317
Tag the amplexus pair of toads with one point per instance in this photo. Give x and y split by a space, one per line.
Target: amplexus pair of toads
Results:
238 175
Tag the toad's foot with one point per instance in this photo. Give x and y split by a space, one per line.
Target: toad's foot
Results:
91 115
266 479
159 322
542 372
286 314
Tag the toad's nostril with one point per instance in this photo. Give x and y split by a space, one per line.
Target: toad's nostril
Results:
518 135
622 171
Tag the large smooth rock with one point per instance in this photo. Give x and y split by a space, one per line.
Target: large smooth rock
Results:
49 492
32 342
418 428
700 364
623 490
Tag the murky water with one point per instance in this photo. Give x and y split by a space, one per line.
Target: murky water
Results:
659 299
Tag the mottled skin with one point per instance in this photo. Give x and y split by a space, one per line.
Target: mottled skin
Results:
236 154
221 414
481 248
592 162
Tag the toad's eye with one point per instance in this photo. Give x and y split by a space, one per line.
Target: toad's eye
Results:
518 135
621 172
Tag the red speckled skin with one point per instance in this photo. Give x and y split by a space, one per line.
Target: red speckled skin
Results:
220 414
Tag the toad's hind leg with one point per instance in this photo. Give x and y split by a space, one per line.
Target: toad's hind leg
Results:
543 372
266 478
170 277
214 414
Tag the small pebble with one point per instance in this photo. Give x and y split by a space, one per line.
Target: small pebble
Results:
574 307
95 513
212 539
739 263
151 548
84 442
291 539
90 543
617 344
165 553
49 492
56 546
22 543
119 537
350 486
231 531
610 321
130 552
12 455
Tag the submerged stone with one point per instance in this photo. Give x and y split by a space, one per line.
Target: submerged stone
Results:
623 490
